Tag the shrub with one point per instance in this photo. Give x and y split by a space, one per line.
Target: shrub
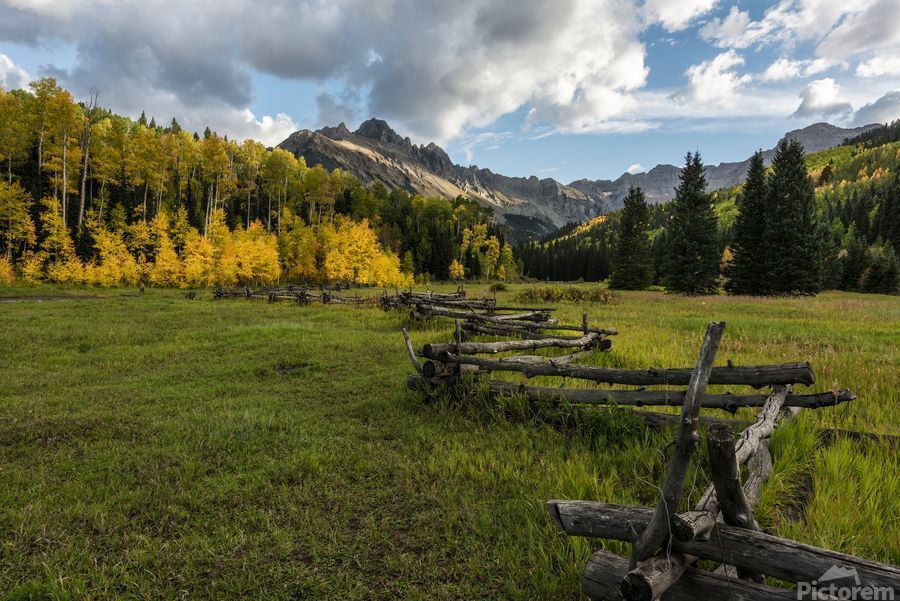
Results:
566 293
498 287
6 272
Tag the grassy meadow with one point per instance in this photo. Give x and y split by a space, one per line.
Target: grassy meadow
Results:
156 447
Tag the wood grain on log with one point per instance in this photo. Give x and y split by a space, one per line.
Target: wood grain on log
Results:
604 572
475 348
662 524
777 557
669 398
758 375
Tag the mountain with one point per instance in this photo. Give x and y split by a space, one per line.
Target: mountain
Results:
659 183
531 207
375 152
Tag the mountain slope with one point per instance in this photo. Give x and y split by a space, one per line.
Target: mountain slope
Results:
532 207
659 183
375 152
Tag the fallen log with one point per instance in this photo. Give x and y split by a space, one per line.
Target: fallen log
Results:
780 558
756 375
665 398
475 348
662 523
604 571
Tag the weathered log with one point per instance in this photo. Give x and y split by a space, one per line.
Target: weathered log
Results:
475 348
604 571
777 557
667 398
662 523
726 476
499 329
656 574
757 375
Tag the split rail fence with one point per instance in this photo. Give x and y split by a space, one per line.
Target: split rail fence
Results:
665 543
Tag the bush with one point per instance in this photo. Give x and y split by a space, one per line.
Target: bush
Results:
498 287
6 272
566 293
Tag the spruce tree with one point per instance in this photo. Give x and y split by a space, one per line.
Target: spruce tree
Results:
633 268
791 240
748 269
692 263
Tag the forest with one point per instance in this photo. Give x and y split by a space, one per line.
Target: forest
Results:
91 197
854 222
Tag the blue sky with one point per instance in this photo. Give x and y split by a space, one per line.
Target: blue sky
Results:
568 89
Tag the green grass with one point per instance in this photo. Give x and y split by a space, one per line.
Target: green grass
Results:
156 447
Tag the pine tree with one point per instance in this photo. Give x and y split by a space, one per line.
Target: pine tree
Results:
791 238
746 274
633 269
692 264
142 120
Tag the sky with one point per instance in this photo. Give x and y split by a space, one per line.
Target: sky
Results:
567 89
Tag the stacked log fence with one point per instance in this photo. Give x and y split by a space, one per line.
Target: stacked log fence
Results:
667 544
297 294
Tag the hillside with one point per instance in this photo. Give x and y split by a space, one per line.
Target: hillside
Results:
858 204
375 152
531 207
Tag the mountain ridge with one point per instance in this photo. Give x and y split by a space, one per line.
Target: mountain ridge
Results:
530 206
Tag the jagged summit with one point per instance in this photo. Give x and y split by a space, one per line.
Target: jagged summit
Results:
530 206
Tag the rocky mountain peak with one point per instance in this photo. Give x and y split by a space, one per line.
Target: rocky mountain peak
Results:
379 130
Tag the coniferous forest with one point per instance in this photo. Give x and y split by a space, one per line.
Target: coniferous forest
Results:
92 197
824 221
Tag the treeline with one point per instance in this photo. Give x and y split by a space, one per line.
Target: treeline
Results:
805 224
93 197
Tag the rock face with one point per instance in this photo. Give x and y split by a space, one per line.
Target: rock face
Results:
530 206
375 152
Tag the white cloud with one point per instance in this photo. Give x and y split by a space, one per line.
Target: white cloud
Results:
784 69
728 32
822 98
880 65
713 83
12 76
883 110
636 168
448 68
676 15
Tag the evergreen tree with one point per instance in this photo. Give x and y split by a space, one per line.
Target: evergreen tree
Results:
633 269
142 120
883 274
791 239
746 275
692 264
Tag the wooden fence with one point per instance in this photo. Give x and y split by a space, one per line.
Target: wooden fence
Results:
666 544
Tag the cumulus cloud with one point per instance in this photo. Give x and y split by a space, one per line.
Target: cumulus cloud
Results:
822 98
636 168
713 83
883 110
784 69
880 65
676 16
12 76
435 68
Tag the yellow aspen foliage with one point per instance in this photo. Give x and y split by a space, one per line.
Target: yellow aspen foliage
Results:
354 255
57 243
31 266
247 257
166 269
198 260
298 247
457 271
7 276
501 272
116 266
